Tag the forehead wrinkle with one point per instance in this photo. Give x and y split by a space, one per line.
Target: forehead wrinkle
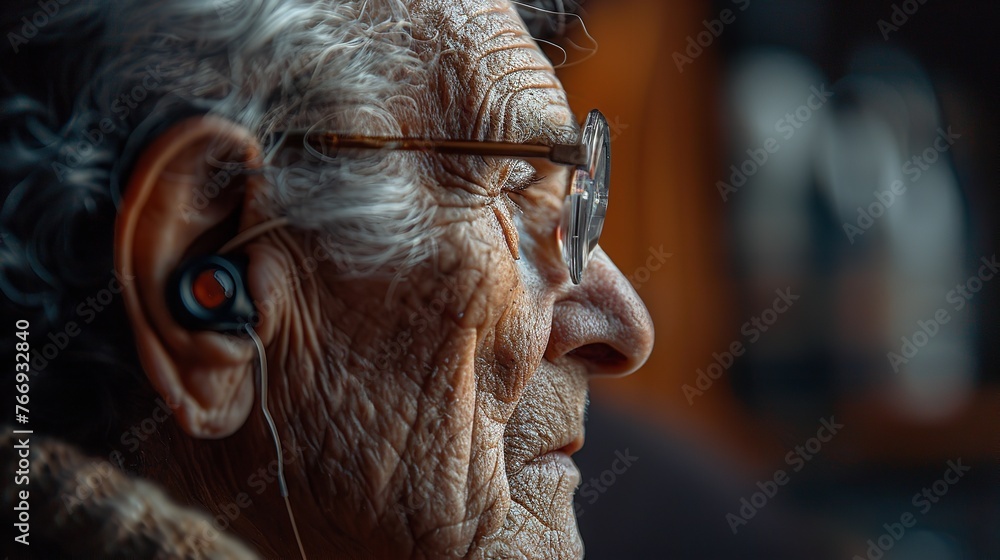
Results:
507 79
474 15
511 126
488 104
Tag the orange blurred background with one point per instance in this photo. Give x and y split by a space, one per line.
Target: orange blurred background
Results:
666 130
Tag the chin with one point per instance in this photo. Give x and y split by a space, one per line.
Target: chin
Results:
542 519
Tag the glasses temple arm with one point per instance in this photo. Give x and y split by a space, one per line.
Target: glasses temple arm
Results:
567 154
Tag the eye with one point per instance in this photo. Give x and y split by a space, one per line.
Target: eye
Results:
519 176
519 186
514 177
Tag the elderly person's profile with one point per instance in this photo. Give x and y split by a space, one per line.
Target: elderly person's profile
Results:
298 279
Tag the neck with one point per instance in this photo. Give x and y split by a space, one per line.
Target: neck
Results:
242 494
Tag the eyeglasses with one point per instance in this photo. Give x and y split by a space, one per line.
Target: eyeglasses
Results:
586 202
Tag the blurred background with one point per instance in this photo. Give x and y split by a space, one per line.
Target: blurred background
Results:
804 194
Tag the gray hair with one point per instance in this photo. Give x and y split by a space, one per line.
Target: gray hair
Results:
85 81
264 64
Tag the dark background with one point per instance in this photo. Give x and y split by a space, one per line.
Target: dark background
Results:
675 134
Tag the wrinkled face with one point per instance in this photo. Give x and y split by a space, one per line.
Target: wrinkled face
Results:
436 418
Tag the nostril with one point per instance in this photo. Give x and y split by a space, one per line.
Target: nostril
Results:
603 356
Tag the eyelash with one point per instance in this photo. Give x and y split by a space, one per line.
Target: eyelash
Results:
519 187
534 179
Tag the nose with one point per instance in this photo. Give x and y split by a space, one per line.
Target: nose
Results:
602 322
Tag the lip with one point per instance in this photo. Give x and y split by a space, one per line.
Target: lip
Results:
557 464
565 441
572 446
557 460
552 429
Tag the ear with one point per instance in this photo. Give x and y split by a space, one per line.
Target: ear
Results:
182 201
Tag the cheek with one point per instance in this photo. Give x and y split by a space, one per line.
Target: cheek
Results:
502 300
512 341
518 294
538 219
511 353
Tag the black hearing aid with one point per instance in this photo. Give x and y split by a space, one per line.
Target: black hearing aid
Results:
210 293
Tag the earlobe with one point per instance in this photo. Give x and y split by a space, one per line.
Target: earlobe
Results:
207 374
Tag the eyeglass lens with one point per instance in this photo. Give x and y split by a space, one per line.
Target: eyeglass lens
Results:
586 203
